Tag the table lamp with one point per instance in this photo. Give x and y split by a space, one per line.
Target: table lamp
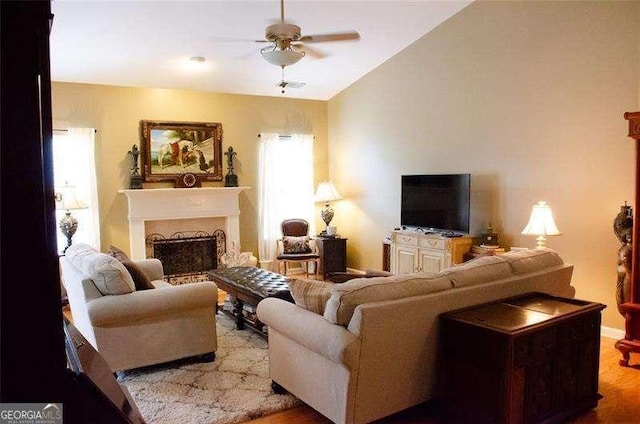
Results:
326 193
541 224
67 200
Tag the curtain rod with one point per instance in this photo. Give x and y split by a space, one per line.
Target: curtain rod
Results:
66 130
285 136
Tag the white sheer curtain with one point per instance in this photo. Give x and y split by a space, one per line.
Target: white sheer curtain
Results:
285 187
74 164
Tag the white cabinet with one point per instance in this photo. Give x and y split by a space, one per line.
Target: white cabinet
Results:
413 251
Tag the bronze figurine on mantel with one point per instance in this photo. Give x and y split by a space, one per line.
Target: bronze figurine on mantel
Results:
231 179
136 178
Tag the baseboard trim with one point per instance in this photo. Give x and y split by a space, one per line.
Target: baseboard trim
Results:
611 333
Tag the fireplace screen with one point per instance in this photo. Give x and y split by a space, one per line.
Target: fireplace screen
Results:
186 256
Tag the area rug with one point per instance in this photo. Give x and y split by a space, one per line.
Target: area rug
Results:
234 388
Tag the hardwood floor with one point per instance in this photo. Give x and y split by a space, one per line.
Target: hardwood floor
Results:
619 386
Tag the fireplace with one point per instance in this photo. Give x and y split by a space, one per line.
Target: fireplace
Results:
186 257
179 208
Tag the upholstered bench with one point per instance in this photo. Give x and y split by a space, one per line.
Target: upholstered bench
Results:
248 285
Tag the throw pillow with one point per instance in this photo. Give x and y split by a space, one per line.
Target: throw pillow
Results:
311 295
296 244
140 279
117 253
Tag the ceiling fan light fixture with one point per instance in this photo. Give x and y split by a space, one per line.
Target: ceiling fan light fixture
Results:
280 57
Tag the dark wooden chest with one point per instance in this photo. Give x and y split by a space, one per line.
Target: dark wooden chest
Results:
528 359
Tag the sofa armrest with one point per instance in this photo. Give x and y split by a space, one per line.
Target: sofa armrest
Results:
152 267
310 330
161 304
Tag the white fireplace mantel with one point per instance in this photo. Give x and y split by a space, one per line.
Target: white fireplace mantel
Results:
180 203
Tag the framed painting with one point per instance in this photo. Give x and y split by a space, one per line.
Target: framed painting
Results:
171 149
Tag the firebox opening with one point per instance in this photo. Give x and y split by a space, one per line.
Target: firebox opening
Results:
186 256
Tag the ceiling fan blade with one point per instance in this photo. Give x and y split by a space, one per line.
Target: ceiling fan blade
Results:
323 38
311 51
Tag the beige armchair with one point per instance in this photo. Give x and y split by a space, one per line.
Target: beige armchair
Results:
132 327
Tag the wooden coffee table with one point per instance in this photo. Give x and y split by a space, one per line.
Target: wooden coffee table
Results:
248 286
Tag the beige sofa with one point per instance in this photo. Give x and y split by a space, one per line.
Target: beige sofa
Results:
131 327
373 351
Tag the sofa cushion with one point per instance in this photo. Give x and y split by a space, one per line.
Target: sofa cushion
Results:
108 274
524 261
310 294
140 279
293 244
478 270
347 296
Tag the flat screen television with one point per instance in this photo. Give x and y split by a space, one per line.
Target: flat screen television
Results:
436 202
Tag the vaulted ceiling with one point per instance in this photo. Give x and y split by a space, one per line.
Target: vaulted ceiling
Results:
149 43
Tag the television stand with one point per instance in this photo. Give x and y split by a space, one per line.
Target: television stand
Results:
419 251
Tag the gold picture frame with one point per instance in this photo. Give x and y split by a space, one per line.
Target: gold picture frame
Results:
171 149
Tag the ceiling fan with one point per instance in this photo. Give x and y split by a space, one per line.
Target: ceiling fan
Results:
288 45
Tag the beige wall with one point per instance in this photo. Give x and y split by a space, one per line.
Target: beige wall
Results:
529 98
116 112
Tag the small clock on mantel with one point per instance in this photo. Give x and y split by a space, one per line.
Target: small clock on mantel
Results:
188 180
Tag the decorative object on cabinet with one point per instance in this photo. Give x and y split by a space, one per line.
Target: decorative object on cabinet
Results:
489 239
631 308
326 193
482 250
622 228
527 359
170 149
68 200
541 224
415 251
136 178
231 179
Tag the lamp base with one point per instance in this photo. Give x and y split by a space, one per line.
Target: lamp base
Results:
327 214
68 227
540 242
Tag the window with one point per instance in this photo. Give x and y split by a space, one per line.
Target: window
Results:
74 165
285 187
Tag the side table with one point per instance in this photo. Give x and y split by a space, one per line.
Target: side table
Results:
528 359
333 254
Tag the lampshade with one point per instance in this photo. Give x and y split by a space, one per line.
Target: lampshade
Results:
541 223
67 199
326 192
282 57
